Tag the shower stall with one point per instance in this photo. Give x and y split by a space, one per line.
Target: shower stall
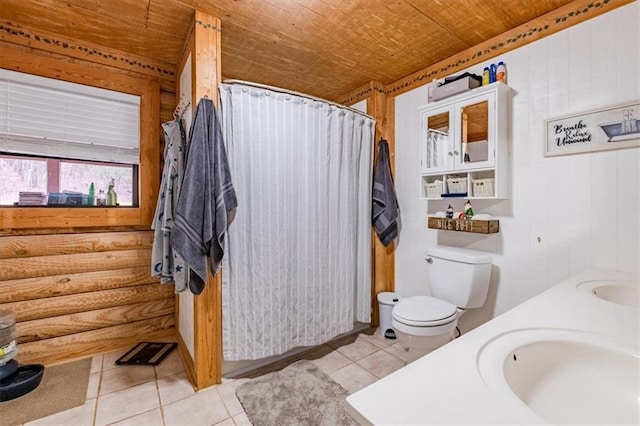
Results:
297 269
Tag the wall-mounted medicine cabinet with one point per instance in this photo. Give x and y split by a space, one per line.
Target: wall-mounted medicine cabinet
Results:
464 145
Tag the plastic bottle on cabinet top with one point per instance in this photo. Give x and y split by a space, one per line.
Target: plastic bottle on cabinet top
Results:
492 73
486 76
501 72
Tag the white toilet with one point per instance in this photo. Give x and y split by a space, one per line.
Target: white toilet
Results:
459 280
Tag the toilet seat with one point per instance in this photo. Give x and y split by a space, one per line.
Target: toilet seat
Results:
424 311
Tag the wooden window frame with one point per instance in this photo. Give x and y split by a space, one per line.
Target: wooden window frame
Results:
67 69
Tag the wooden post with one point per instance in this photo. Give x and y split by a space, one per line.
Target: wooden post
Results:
383 269
206 74
205 367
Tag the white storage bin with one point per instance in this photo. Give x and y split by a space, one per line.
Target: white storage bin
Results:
484 187
433 189
457 185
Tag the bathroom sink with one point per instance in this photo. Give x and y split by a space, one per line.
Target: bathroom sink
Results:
565 376
621 292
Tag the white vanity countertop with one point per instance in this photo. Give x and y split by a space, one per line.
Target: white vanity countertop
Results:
445 386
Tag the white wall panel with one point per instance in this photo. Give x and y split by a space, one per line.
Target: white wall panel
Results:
626 45
583 207
627 200
413 233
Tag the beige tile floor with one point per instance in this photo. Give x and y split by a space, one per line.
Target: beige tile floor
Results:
162 395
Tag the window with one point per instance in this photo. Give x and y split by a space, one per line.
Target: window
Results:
21 174
147 90
58 137
78 176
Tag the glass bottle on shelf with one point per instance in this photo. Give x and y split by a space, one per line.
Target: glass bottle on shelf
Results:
92 193
112 197
101 200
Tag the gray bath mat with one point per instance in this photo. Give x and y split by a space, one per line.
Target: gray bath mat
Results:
300 394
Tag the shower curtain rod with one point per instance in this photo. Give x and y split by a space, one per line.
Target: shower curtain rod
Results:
291 92
440 132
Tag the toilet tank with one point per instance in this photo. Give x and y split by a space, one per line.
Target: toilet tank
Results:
459 276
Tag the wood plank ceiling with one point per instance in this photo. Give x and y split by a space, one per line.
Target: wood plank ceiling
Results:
326 48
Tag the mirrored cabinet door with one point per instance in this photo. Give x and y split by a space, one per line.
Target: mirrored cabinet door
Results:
464 145
437 139
475 148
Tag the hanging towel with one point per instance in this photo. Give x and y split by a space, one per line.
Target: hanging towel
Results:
207 200
385 205
167 263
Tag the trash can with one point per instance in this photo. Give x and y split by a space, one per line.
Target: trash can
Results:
386 301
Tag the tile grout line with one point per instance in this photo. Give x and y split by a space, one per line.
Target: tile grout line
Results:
160 404
95 406
224 404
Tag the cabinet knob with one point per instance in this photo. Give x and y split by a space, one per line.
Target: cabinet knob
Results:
456 152
450 154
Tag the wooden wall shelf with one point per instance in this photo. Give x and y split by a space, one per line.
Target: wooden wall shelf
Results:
464 225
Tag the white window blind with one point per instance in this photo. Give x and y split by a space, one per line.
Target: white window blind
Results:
52 118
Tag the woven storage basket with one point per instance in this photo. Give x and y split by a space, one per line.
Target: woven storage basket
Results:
457 185
433 189
484 187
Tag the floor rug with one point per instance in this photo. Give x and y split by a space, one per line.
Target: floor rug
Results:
63 387
147 353
300 394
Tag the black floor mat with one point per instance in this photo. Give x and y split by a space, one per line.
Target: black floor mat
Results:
147 353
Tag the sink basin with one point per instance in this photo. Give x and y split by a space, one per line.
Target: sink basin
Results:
621 292
565 376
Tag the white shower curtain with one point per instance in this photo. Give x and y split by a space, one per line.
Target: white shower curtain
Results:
297 270
437 149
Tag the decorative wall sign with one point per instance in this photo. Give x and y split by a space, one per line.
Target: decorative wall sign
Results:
613 127
464 225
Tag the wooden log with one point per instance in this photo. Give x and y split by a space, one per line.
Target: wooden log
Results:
90 343
47 245
67 284
383 277
43 266
65 305
167 100
46 328
66 217
167 105
70 230
206 72
464 225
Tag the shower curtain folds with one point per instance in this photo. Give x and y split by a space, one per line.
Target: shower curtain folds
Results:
298 269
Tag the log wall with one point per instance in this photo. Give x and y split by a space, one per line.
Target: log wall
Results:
77 295
79 279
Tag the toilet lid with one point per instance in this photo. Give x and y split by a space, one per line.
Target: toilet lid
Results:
424 311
